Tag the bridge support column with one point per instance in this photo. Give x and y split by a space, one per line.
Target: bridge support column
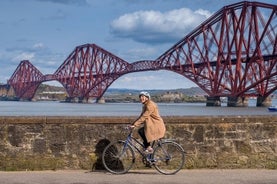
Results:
101 100
263 101
83 100
91 100
213 101
72 99
87 100
237 102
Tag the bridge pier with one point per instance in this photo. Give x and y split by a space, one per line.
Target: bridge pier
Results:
237 102
83 100
213 101
263 101
91 100
101 100
72 99
87 100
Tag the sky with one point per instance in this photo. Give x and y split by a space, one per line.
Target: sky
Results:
45 32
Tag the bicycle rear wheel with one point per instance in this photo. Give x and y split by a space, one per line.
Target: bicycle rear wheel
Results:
168 157
118 157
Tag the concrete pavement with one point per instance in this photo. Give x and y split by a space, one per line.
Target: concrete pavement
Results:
205 176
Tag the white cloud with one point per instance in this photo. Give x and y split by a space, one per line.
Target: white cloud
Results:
52 63
137 78
38 46
23 56
127 79
152 80
156 27
137 54
206 13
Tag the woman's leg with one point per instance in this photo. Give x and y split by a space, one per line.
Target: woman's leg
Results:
142 135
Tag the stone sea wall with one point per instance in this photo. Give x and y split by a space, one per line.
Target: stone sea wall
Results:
51 143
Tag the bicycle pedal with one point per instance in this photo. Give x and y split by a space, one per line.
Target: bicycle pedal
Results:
151 161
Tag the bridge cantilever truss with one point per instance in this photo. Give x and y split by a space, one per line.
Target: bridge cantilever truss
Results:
89 71
231 54
25 80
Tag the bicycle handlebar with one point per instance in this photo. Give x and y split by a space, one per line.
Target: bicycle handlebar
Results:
129 128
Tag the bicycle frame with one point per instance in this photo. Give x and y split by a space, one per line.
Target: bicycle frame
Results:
134 143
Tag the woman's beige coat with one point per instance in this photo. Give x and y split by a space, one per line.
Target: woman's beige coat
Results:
153 123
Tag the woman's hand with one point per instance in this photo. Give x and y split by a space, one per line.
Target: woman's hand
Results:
132 126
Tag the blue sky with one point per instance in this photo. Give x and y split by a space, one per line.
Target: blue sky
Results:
45 32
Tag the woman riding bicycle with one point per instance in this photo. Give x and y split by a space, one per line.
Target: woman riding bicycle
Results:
153 127
167 156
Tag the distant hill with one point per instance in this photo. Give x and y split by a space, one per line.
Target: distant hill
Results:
48 88
193 94
118 95
193 91
48 92
187 91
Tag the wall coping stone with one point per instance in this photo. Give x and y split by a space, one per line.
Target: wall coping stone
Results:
129 119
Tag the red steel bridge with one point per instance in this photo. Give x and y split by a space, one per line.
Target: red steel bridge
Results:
232 54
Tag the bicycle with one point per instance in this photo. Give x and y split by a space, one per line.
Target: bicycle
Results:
167 158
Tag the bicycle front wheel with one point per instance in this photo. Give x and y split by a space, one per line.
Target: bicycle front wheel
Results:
169 157
118 157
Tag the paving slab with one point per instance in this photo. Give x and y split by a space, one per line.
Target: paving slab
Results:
205 176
